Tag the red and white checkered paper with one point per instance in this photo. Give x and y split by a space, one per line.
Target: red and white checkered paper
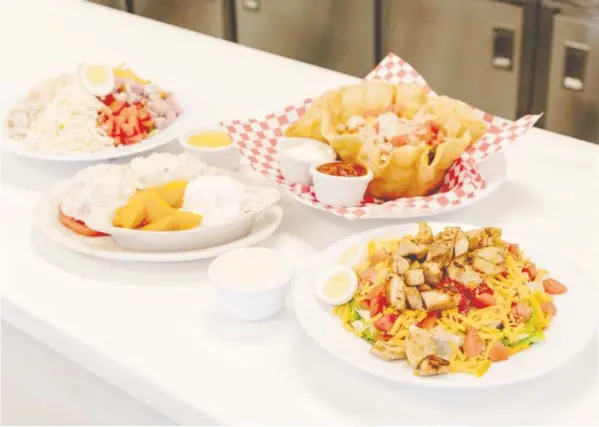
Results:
257 139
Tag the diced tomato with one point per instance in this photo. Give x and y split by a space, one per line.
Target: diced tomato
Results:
376 291
499 352
128 129
147 123
484 300
429 321
553 287
386 322
377 305
380 255
473 343
399 140
117 140
435 128
549 308
464 305
514 249
365 304
77 226
522 312
116 106
108 99
531 270
387 337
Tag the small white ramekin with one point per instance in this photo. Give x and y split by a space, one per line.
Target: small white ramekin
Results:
339 191
227 157
294 171
242 301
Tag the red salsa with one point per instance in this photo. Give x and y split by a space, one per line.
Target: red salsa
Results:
342 169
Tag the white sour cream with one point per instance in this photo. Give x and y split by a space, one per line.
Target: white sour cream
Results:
311 152
161 168
219 199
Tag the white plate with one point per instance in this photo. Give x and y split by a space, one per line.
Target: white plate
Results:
494 170
46 219
568 334
158 140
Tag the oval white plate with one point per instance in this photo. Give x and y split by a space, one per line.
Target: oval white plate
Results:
159 139
494 170
46 219
569 333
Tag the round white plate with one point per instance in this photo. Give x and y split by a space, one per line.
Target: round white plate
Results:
568 334
158 140
46 219
494 170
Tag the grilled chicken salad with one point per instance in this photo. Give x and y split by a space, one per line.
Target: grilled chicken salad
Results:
456 301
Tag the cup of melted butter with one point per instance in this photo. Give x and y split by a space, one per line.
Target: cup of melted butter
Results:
213 146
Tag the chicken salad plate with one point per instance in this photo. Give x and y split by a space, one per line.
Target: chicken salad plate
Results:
163 207
92 113
447 305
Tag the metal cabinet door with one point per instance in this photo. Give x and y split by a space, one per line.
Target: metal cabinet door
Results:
335 34
211 17
454 45
115 4
573 93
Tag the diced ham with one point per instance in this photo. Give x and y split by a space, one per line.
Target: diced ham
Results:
473 343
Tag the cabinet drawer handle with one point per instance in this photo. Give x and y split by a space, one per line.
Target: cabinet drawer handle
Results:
503 48
575 64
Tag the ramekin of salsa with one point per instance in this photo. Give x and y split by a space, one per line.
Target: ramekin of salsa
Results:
340 184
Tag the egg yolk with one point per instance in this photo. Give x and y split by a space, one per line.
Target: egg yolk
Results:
96 74
336 286
214 139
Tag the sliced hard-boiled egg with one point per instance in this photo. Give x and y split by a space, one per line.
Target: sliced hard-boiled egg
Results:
337 286
354 256
97 79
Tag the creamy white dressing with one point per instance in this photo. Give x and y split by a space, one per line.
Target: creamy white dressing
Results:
250 269
162 168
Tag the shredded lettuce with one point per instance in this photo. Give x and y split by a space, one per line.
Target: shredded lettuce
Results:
369 334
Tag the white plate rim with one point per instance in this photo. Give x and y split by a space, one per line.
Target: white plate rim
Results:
46 220
303 291
158 140
496 162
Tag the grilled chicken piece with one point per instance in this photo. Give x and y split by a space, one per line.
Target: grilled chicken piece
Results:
488 236
425 233
388 351
484 266
450 233
407 248
461 246
396 292
433 273
400 264
432 365
414 298
494 254
419 345
440 251
463 274
440 300
414 277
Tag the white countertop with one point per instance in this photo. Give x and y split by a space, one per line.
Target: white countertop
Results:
152 329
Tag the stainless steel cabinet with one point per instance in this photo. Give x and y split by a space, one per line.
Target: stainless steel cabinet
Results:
335 34
211 17
115 4
573 92
467 49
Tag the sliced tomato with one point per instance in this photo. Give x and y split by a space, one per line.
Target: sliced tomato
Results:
553 287
77 226
429 321
473 343
386 322
483 300
522 312
549 308
499 352
514 249
377 305
531 270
